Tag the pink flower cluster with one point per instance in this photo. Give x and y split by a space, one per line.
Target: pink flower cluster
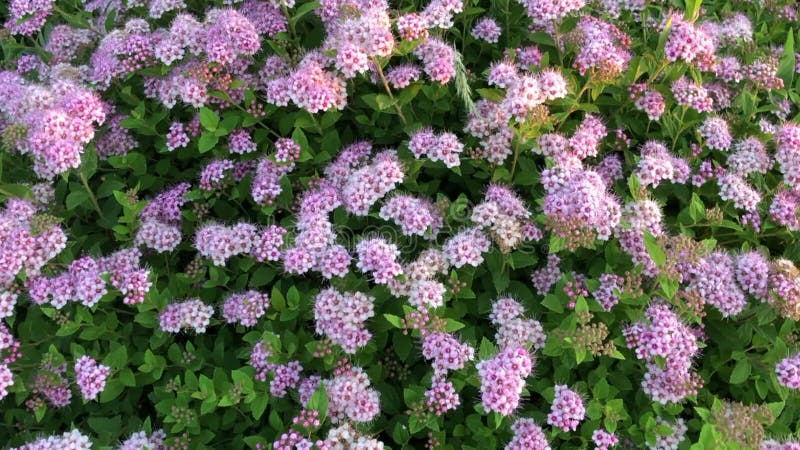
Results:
240 142
378 257
60 120
506 222
439 13
286 376
546 277
442 397
161 219
544 11
24 243
716 133
267 244
735 188
90 377
266 186
371 182
503 378
750 157
690 93
140 440
438 59
219 242
607 294
652 103
350 396
527 436
26 17
116 140
771 444
467 248
52 384
584 143
403 75
446 351
6 380
714 280
365 33
604 48
785 209
219 171
487 29
82 281
670 441
176 136
752 273
443 147
667 338
189 314
412 26
788 372
341 317
657 164
787 153
690 44
784 287
245 308
310 86
72 440
567 410
578 199
514 330
426 294
603 440
415 216
489 122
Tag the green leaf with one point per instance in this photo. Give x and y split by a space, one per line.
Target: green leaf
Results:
207 142
303 10
740 372
319 401
89 162
110 20
634 186
654 249
259 405
395 321
787 62
209 119
486 350
552 303
76 198
692 10
16 190
697 210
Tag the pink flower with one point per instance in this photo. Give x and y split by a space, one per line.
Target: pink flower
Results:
487 29
788 372
446 351
527 436
342 316
467 248
245 308
442 397
567 410
189 314
378 257
503 378
90 377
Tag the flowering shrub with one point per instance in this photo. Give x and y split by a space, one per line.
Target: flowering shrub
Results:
361 225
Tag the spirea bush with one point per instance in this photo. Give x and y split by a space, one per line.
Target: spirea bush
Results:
363 224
